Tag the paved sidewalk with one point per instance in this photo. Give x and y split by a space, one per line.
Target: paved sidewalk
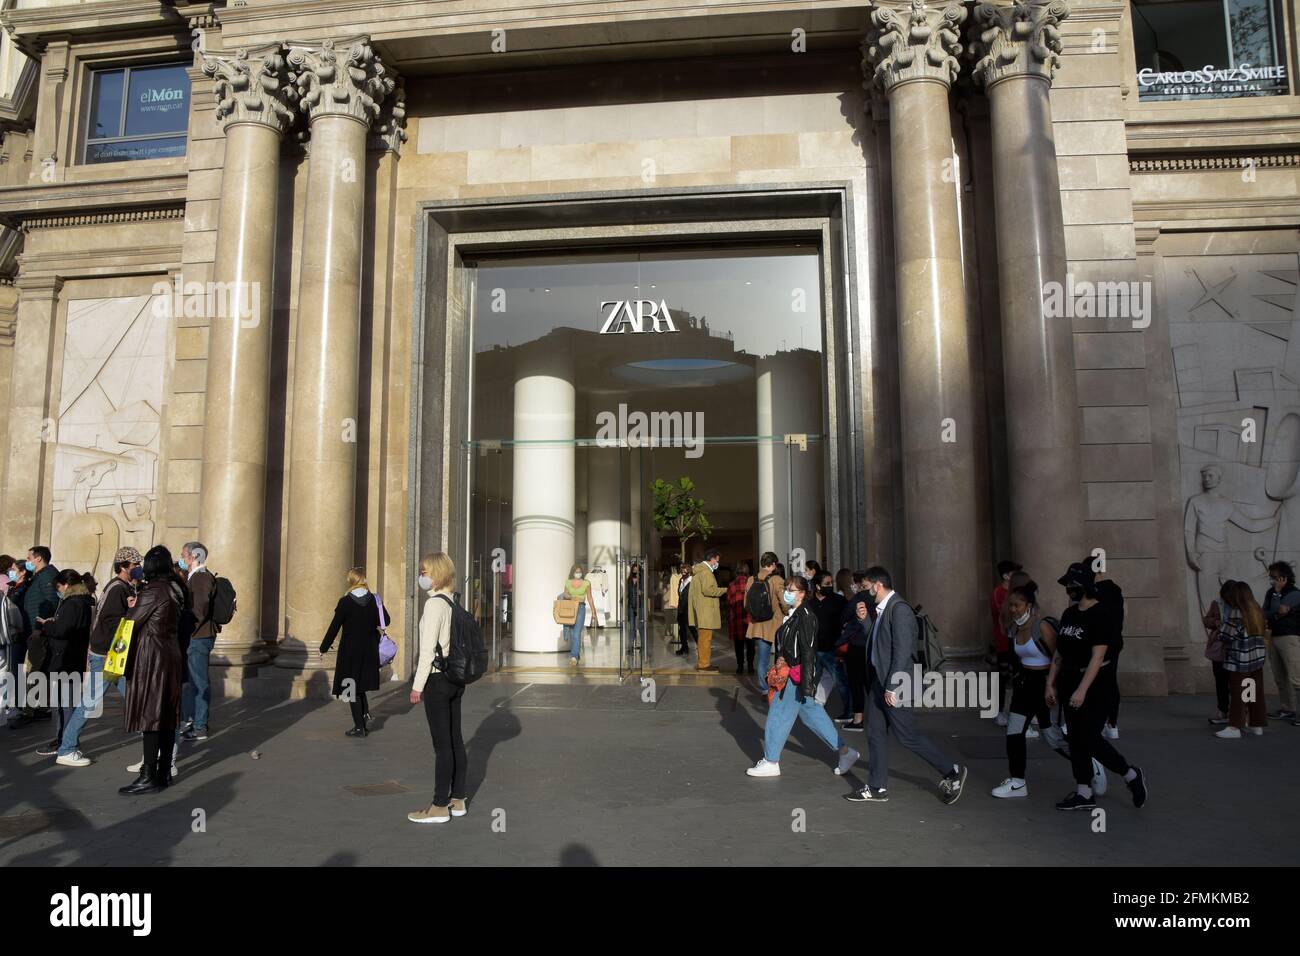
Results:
582 773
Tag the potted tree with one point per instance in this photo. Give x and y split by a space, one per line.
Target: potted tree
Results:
677 510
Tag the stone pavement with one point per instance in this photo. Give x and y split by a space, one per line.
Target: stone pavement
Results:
581 771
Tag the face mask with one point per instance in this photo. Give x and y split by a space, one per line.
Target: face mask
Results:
137 574
828 589
13 575
1076 594
425 582
180 563
789 598
29 566
1022 620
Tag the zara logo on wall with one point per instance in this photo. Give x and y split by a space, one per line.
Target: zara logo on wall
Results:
633 313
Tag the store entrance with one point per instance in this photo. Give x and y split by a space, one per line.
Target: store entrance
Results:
628 453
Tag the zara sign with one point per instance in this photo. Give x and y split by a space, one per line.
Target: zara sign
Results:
632 314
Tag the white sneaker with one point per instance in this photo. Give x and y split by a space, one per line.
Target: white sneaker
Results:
1229 733
1055 739
1255 731
764 769
74 759
1098 778
847 760
1001 719
1010 788
1110 733
1031 733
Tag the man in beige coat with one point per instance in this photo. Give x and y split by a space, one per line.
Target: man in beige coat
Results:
704 612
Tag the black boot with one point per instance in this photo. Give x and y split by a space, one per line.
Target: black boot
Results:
145 783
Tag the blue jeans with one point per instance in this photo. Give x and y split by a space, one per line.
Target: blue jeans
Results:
780 719
829 660
91 698
573 632
764 661
196 694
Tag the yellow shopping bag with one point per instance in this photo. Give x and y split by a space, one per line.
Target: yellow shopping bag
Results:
115 665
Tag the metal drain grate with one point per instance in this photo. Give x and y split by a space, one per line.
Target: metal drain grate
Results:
386 789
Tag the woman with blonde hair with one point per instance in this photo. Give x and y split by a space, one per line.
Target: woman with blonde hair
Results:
440 695
1242 630
359 614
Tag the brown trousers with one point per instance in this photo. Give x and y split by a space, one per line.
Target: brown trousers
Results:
1242 713
704 647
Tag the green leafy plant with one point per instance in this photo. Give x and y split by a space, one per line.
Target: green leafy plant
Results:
679 511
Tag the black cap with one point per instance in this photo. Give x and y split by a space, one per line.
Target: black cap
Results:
1077 575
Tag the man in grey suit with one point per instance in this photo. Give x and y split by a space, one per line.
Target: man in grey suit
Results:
890 649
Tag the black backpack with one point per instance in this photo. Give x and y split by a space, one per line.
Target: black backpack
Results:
758 603
222 609
468 660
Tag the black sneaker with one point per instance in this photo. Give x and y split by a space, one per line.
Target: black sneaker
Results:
356 732
1138 787
1282 713
867 795
854 728
1076 801
952 784
48 750
188 724
192 735
844 719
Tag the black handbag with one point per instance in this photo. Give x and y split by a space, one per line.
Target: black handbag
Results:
38 651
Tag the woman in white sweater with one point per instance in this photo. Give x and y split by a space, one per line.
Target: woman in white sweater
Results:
441 697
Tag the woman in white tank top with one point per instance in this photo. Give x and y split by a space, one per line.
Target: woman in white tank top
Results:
1032 639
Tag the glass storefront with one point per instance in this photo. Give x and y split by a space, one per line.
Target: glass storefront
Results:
1208 49
596 374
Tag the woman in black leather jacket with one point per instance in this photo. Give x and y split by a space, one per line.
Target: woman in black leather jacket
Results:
796 646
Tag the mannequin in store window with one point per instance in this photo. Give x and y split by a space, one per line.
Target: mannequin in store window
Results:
634 596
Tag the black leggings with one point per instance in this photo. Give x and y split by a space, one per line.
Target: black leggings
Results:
1027 702
442 708
1112 672
744 651
158 751
855 668
1221 695
359 709
1084 726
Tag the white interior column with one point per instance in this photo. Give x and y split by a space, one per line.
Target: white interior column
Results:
789 394
543 499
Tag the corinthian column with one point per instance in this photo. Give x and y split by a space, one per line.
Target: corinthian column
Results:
340 90
912 58
1018 50
255 105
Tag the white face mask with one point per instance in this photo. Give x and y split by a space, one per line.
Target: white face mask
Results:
1022 620
425 583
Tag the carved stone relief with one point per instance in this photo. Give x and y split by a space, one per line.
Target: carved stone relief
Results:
1236 345
107 435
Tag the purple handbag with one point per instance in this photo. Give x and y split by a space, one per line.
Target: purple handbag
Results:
387 649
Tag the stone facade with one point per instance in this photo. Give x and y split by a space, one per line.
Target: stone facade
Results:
339 157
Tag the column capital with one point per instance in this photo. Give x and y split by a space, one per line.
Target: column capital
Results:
254 86
388 132
1018 39
920 43
344 79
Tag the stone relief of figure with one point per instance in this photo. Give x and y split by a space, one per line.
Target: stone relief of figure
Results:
1205 533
